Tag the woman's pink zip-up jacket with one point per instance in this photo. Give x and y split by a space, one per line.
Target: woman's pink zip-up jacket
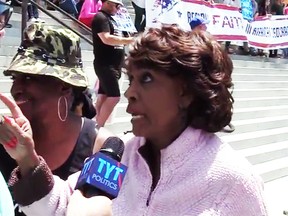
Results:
200 175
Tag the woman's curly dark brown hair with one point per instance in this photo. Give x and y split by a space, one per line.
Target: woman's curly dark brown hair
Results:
198 59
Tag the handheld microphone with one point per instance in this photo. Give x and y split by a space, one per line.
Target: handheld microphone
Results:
102 173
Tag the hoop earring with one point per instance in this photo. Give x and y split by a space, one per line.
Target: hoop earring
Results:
66 109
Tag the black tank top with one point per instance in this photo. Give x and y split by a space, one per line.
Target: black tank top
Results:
82 150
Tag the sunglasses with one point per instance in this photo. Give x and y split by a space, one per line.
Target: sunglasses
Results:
5 14
117 5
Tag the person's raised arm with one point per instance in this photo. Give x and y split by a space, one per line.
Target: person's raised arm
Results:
16 137
32 183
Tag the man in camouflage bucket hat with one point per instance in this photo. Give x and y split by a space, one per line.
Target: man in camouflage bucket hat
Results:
49 51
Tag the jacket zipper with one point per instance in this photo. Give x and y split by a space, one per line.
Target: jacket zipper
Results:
149 197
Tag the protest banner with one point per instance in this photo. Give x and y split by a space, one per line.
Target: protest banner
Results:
223 18
268 32
226 22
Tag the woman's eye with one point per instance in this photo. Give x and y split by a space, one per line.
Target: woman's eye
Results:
146 78
23 78
130 79
27 77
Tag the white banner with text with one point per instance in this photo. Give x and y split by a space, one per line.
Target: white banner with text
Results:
226 23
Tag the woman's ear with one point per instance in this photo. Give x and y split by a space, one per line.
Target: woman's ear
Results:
187 100
186 96
66 90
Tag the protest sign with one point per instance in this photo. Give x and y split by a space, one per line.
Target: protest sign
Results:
226 22
124 20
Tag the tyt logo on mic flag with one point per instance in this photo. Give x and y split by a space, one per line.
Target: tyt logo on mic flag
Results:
102 172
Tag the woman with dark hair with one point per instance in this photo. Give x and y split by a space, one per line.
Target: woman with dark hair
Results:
179 97
83 104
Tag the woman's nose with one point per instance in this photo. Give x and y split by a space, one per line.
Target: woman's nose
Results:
130 93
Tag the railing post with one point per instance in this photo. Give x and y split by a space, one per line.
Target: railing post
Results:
24 16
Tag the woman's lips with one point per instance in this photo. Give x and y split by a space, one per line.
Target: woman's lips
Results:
135 117
20 102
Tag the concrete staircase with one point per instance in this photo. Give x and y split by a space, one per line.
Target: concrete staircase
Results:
260 110
260 117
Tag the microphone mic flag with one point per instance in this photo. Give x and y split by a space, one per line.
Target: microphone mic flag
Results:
102 173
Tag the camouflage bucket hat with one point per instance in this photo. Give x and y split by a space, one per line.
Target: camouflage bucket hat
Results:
52 52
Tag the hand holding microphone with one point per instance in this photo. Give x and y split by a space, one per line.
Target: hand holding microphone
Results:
100 180
102 173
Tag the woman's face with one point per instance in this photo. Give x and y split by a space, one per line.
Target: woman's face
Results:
34 94
113 7
153 102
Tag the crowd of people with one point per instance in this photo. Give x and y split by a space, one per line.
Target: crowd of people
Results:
179 97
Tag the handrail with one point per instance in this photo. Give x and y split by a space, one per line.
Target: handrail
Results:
68 15
84 27
24 6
